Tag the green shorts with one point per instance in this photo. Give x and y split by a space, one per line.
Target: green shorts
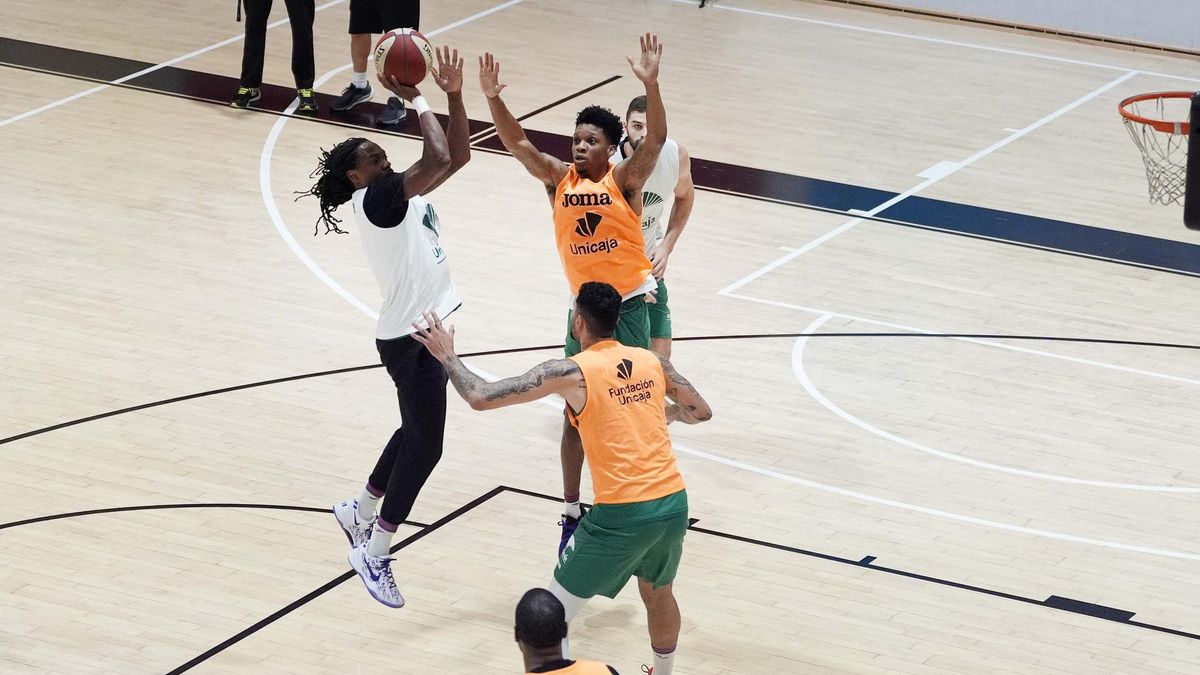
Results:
633 327
660 314
618 541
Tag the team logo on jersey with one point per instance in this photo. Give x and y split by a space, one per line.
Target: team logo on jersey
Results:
625 369
586 226
651 199
430 219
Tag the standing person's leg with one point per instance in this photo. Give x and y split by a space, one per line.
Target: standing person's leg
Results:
301 15
662 613
656 576
364 18
253 51
397 14
570 452
660 322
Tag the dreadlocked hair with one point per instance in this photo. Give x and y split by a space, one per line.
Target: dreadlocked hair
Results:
333 188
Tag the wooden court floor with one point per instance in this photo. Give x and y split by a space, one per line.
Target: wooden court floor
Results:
903 473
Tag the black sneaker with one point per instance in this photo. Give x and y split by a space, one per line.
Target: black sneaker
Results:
569 525
352 96
394 113
245 96
308 100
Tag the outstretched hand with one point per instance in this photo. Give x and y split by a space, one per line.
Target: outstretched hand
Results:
646 67
449 71
489 76
438 340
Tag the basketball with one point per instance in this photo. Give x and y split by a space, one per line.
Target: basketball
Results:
405 54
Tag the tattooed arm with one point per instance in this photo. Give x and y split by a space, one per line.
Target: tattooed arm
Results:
685 404
560 376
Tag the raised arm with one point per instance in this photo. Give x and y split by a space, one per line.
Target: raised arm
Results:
685 197
546 168
560 376
632 173
435 155
449 77
686 404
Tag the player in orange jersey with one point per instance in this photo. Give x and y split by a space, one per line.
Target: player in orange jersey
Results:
621 399
597 210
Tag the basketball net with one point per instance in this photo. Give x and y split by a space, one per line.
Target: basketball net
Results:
1164 149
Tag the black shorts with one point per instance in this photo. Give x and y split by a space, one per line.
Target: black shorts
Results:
380 16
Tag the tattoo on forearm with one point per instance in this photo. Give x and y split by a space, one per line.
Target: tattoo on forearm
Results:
531 380
464 380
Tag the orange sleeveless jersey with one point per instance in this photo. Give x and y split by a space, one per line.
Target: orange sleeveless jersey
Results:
623 426
581 668
599 237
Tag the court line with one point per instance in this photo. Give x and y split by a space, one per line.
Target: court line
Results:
929 182
940 41
163 507
151 69
987 343
332 584
811 388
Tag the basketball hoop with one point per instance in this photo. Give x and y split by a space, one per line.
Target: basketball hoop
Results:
1151 121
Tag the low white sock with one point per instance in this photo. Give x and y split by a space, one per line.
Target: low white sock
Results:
380 543
663 663
360 80
572 509
367 503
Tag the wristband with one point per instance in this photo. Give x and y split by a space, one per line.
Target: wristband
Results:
420 105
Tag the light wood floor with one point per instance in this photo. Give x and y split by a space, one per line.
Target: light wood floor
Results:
145 258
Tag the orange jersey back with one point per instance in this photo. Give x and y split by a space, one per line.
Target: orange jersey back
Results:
581 668
623 424
599 237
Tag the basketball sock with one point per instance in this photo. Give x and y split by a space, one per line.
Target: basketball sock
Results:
360 80
571 506
367 503
664 662
381 539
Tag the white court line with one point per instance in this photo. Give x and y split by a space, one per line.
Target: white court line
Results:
978 341
151 69
316 269
811 388
940 41
930 181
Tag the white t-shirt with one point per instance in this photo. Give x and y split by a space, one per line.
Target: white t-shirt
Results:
659 187
408 262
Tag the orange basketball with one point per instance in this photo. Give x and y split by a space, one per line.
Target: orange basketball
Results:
405 54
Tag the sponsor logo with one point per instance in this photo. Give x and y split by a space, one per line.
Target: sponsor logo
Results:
587 199
586 227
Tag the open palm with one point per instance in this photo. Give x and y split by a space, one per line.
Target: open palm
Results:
646 67
489 76
449 72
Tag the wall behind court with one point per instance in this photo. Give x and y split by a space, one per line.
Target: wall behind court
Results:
1169 23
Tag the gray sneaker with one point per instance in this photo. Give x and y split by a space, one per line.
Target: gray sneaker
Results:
352 96
394 113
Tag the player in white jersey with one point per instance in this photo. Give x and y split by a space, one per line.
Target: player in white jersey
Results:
399 231
672 175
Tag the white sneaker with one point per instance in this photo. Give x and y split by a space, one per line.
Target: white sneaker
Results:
376 574
357 530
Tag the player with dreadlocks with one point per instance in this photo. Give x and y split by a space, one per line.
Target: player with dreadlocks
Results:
597 211
399 231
